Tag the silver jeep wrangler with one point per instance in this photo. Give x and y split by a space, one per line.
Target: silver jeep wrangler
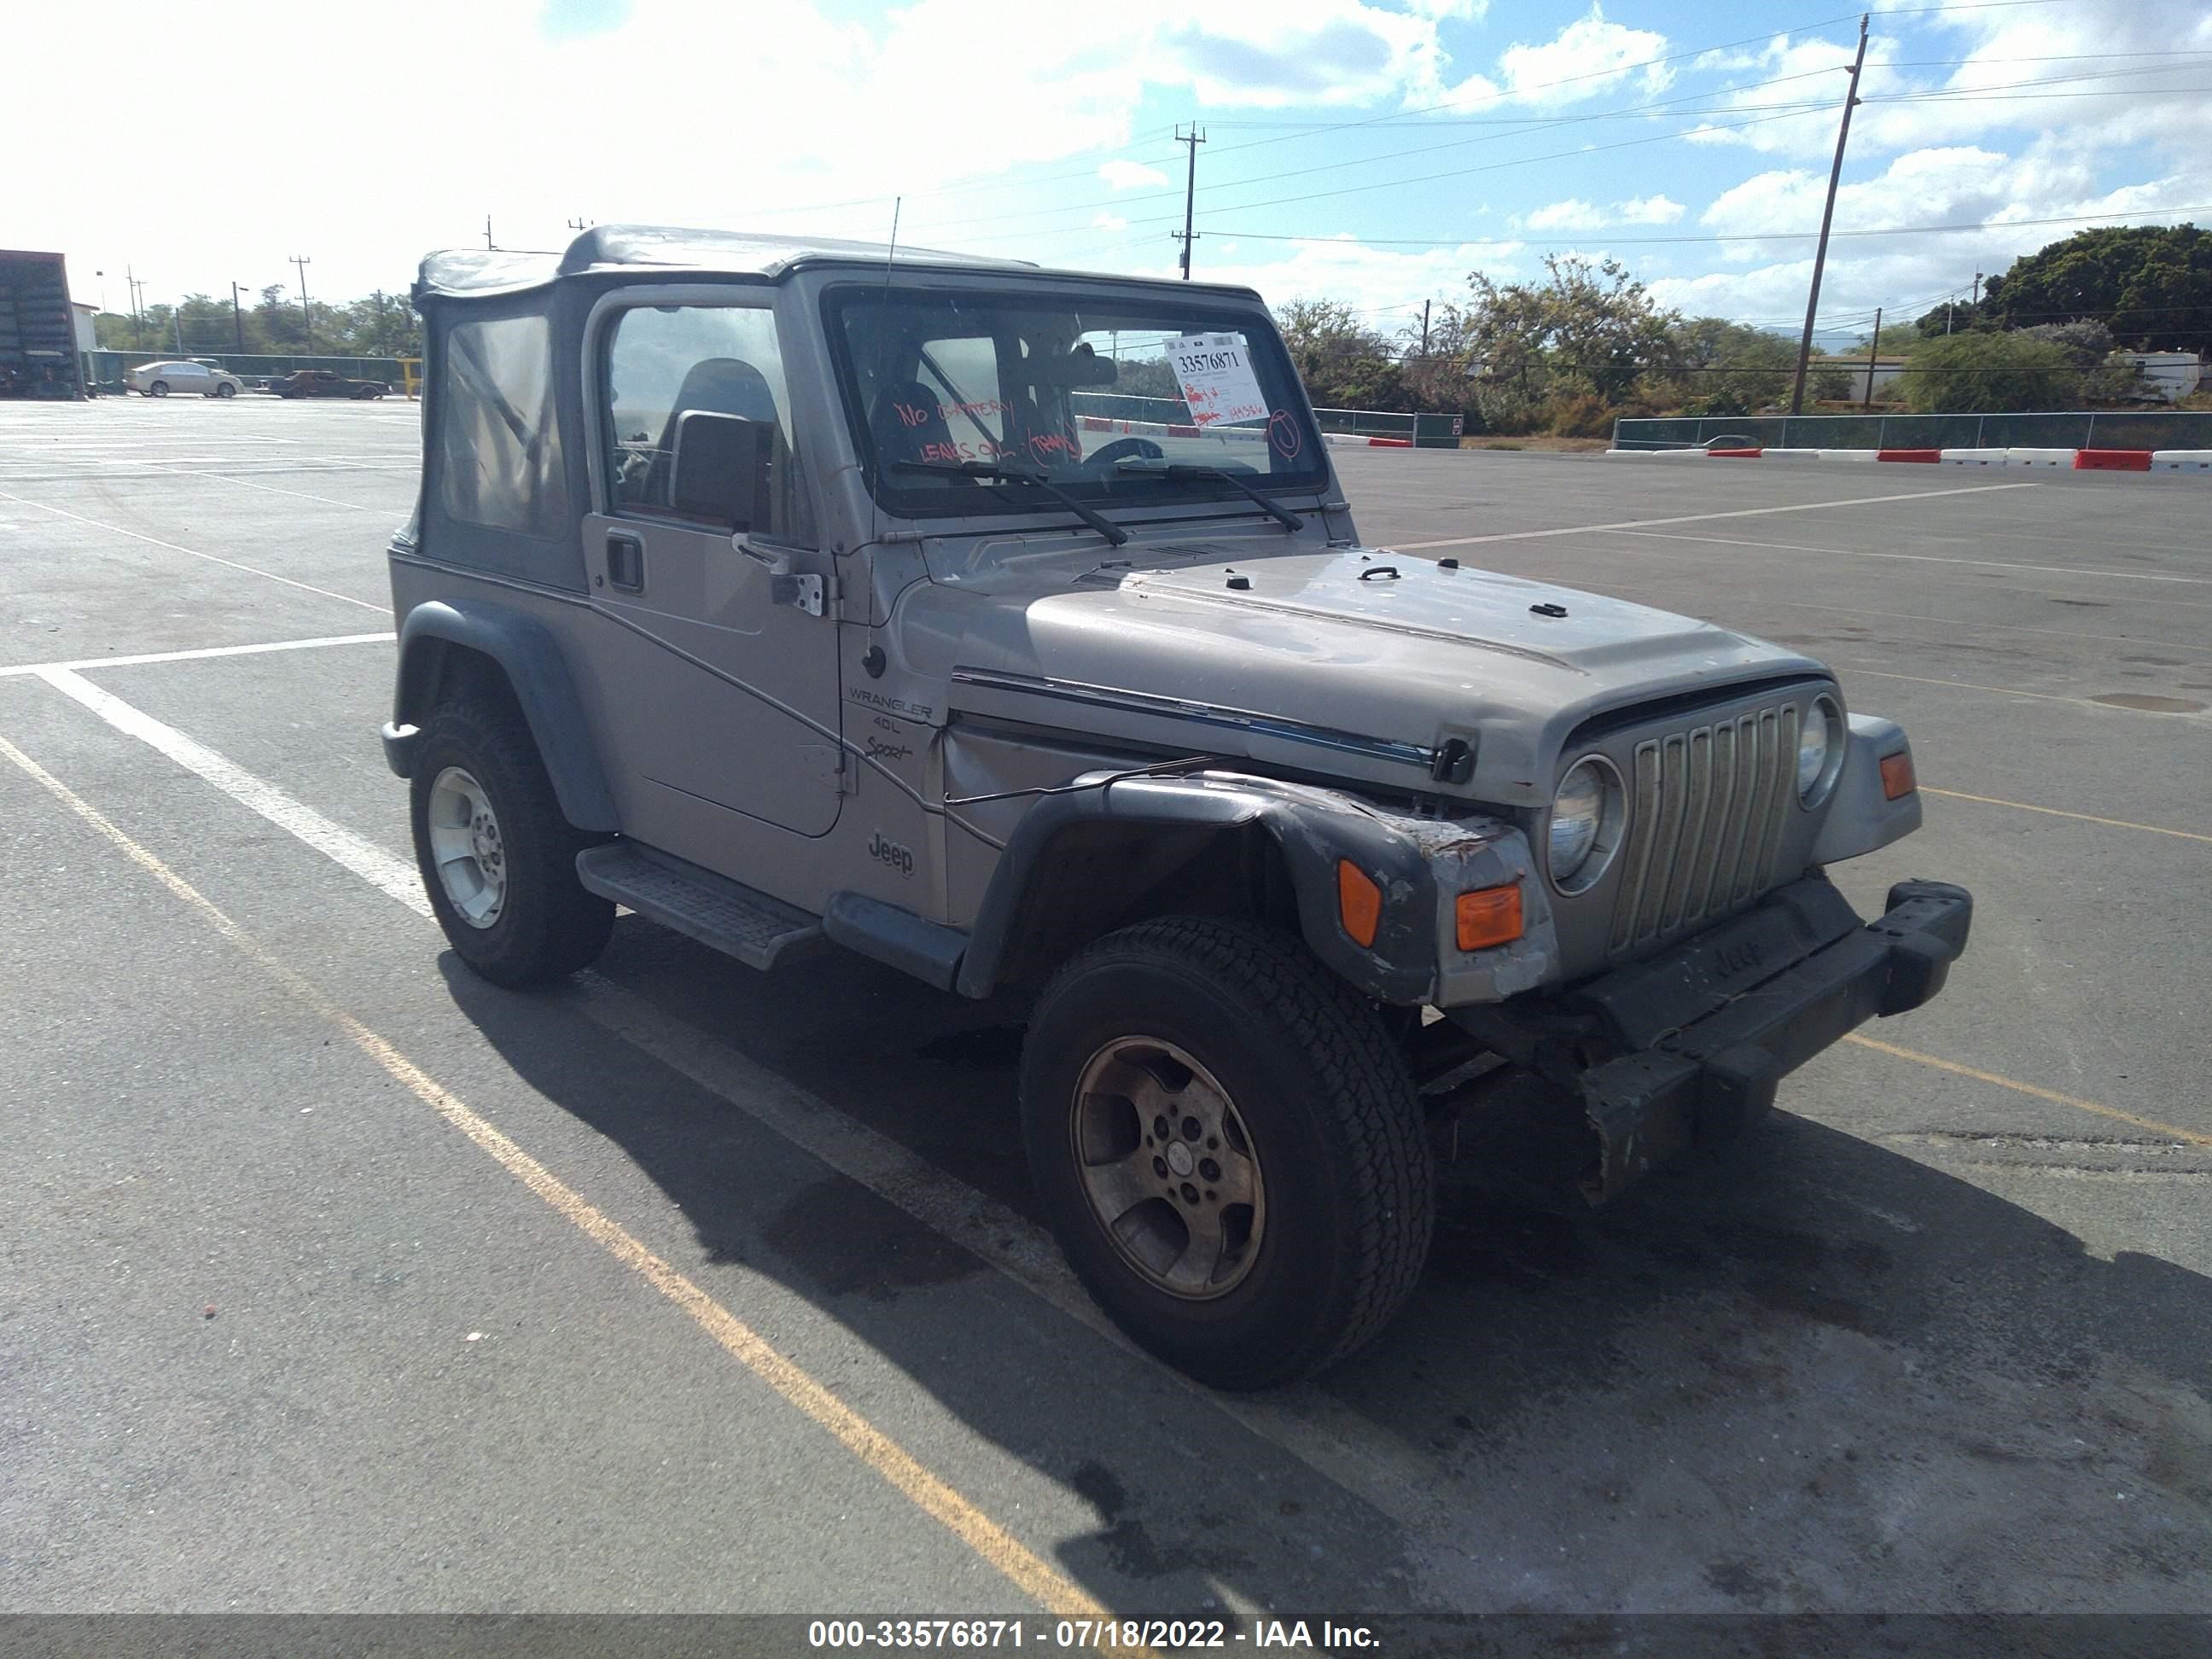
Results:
1009 627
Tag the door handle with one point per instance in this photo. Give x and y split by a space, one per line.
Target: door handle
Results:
625 561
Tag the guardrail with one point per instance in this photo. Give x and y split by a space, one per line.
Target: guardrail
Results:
2084 429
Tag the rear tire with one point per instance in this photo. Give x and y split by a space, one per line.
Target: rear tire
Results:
158 389
1305 1122
497 857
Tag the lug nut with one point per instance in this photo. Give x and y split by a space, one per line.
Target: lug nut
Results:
1192 1128
1210 1169
1160 1127
1189 1193
1160 1167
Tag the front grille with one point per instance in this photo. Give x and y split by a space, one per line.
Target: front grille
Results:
1706 811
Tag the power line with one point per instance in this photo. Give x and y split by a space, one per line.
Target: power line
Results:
1325 240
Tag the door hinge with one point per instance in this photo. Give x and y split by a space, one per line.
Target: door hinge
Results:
807 593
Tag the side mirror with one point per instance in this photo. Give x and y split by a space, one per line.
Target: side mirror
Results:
719 470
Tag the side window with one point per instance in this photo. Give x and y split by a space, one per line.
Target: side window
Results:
675 376
499 442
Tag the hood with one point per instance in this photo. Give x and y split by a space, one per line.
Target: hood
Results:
1353 662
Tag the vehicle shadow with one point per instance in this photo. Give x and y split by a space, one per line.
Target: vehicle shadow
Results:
1808 1371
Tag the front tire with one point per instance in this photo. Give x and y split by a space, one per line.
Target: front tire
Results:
497 857
1228 1148
226 390
158 389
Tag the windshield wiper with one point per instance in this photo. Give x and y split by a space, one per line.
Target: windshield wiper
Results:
997 474
1183 473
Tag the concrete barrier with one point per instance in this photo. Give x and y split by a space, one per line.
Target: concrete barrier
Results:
2083 460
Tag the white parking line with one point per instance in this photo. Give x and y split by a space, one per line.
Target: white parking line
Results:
1700 517
1915 558
192 553
1365 1459
248 483
204 651
365 859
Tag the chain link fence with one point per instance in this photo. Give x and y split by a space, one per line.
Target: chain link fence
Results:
106 369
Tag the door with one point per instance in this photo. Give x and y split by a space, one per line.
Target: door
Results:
726 691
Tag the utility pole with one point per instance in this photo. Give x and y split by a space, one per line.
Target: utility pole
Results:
1978 289
137 322
1874 350
1827 213
306 316
487 231
1193 138
1425 330
238 319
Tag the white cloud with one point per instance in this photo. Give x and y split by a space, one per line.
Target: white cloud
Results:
2102 72
814 124
1387 285
1589 57
2024 203
1575 214
1129 175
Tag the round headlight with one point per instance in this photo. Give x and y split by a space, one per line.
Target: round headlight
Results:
1586 814
1820 750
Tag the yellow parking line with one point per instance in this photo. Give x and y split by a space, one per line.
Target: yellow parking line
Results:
2056 812
2190 1136
885 1456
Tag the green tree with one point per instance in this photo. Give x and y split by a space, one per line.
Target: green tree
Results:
1832 385
1584 328
1344 363
1731 369
1949 317
2150 284
1990 374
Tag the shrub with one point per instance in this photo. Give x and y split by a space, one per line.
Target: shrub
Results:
1990 374
1584 415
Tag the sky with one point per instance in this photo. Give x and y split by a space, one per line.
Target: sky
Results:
1371 151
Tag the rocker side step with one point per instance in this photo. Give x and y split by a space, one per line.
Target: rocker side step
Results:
731 917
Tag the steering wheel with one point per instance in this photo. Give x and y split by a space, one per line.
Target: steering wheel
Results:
1125 449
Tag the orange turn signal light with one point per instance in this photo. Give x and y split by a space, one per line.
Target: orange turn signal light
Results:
1488 916
1358 901
1896 780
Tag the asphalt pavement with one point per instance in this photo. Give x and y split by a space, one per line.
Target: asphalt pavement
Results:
334 1279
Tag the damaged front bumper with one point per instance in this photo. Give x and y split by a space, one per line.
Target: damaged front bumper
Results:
1686 1047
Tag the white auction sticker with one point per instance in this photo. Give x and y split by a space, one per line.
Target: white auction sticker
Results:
1215 372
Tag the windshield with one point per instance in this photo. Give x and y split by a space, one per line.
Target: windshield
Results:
1067 390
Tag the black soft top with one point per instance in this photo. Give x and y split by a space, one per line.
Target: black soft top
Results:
469 273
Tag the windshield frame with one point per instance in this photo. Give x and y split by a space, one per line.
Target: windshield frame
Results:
1110 494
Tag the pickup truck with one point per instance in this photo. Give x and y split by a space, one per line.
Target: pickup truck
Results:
802 596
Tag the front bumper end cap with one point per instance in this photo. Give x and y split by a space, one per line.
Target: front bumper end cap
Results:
1716 1076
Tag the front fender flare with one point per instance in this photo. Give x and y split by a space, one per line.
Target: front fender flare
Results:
531 657
1314 829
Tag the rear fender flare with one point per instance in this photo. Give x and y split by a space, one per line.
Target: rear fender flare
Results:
530 656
